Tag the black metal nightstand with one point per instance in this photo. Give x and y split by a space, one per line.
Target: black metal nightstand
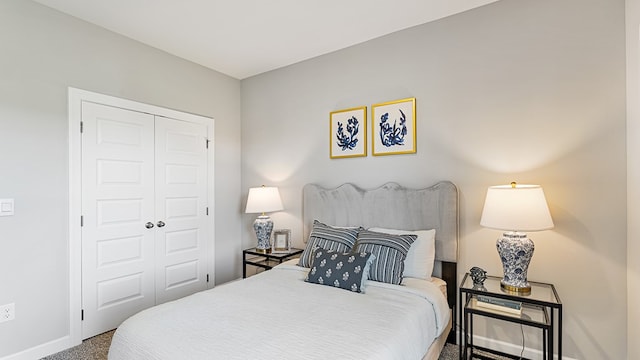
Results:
541 308
265 261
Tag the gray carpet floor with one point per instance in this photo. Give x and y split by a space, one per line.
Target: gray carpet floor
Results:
97 348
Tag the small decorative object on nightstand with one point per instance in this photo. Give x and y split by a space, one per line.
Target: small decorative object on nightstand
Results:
281 242
478 275
262 200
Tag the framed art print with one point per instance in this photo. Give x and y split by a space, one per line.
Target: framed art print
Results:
393 127
348 133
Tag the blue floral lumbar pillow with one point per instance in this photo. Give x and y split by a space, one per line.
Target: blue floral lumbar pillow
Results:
342 270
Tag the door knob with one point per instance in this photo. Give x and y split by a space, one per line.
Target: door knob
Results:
161 223
148 225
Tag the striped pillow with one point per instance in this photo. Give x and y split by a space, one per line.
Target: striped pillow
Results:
389 251
329 238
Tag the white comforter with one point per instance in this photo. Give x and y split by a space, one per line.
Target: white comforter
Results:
276 315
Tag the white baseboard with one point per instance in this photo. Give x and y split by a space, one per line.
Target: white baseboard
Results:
42 350
513 349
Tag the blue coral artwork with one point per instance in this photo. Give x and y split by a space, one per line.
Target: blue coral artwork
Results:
348 141
348 135
394 127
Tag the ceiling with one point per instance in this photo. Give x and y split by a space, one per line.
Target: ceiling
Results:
242 38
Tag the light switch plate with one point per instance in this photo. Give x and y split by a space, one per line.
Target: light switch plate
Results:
6 207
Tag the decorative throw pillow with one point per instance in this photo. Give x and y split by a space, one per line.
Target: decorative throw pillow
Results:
389 251
329 238
342 270
421 255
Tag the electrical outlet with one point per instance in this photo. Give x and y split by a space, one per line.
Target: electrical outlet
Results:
7 312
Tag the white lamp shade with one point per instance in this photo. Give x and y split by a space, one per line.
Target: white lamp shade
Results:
263 199
519 208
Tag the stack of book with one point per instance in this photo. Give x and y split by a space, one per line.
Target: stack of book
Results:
509 306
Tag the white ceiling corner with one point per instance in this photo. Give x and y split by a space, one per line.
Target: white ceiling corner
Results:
243 38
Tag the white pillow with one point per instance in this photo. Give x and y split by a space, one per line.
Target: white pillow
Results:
421 255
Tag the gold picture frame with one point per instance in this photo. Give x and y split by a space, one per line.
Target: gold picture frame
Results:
281 241
393 127
348 133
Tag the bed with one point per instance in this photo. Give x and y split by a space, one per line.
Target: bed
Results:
295 312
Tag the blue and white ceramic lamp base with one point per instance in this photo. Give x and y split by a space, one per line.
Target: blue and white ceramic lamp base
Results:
263 227
515 250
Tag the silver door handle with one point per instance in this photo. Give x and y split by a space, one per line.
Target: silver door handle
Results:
161 223
148 225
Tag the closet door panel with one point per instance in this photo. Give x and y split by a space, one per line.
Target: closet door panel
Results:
117 201
181 208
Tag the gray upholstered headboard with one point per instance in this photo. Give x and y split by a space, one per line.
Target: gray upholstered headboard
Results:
394 207
389 206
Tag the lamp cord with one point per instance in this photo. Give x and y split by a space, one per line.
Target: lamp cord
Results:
522 351
458 327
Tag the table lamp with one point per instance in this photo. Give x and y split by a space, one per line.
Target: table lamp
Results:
262 200
516 208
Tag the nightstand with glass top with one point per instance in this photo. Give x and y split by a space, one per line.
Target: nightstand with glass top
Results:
266 260
541 308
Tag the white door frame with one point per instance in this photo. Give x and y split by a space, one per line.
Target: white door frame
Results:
76 97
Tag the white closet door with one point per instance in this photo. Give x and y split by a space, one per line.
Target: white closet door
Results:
181 208
117 201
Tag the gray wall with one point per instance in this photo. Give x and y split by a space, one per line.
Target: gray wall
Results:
524 90
531 91
633 176
43 53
